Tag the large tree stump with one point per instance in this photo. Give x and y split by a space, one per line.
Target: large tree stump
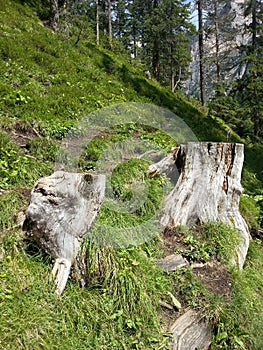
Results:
207 187
62 209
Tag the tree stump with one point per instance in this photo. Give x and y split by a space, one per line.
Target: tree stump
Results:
207 187
62 209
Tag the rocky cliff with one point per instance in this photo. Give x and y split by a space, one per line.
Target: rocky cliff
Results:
232 40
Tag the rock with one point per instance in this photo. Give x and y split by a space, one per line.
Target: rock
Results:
172 262
190 332
62 209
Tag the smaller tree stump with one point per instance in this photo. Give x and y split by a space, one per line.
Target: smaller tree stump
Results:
62 209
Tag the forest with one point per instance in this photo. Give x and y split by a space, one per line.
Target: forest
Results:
68 67
158 36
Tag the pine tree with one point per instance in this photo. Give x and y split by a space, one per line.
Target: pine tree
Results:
166 45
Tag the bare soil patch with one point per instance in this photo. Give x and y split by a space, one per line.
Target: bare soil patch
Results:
213 274
215 277
21 133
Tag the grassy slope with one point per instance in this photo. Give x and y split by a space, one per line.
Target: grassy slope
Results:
46 86
36 66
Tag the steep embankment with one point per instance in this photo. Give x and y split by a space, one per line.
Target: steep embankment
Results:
47 85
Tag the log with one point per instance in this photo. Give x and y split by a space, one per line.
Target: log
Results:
207 187
62 209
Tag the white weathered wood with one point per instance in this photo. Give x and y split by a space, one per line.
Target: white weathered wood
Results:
208 187
62 209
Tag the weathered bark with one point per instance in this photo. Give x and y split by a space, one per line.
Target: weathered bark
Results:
62 209
207 187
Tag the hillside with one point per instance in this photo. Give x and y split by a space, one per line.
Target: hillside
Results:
48 84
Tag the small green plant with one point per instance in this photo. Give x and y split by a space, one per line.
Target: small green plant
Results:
16 168
44 149
17 97
11 162
210 240
223 240
196 250
188 289
225 338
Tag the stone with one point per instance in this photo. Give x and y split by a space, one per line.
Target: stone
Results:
190 332
172 262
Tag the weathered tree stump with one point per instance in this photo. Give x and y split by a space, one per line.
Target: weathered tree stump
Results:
62 209
207 187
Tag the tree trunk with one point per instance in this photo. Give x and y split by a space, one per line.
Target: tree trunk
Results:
110 23
254 24
62 209
207 187
97 23
104 16
54 14
156 59
201 51
156 48
217 42
175 83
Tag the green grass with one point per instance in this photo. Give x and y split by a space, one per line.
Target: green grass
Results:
47 86
16 168
118 312
242 319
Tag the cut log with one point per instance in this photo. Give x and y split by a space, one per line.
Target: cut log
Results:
207 187
62 209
